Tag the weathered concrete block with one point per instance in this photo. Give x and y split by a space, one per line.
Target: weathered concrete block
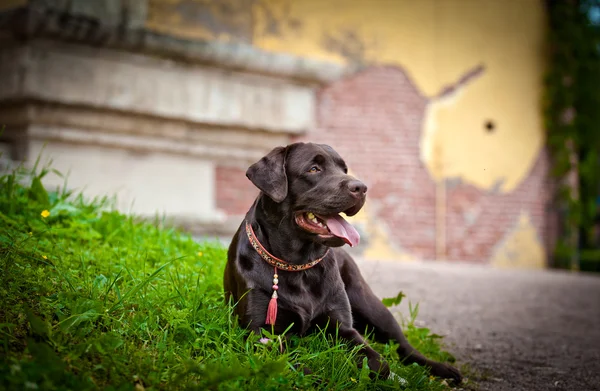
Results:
144 184
109 79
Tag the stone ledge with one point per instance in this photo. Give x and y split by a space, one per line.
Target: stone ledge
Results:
246 57
140 84
120 26
136 133
218 228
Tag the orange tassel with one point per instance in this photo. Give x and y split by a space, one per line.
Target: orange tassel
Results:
272 310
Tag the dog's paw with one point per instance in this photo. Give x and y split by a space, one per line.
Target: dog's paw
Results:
379 368
447 371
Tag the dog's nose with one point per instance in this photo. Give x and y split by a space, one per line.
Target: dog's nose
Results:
357 187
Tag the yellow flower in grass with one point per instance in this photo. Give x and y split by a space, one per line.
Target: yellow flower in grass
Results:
45 257
45 213
200 253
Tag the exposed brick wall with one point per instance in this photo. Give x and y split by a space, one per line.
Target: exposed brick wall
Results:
234 192
477 220
374 119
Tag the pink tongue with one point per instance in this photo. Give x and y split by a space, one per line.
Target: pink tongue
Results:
342 229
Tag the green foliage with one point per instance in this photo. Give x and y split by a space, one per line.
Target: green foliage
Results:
392 301
422 337
93 299
572 120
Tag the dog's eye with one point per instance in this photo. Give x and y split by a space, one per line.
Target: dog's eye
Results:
314 169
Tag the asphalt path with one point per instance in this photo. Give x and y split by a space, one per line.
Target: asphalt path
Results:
516 330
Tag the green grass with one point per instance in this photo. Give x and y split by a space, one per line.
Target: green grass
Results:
94 299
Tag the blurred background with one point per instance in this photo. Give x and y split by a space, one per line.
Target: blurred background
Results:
473 122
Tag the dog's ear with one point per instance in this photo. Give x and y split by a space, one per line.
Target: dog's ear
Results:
268 174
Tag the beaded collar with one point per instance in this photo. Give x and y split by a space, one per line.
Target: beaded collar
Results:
277 264
274 261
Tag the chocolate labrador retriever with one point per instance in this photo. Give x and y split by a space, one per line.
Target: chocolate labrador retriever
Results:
285 265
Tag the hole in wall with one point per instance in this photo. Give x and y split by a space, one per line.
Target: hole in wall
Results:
489 126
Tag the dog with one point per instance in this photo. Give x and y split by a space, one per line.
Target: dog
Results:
285 265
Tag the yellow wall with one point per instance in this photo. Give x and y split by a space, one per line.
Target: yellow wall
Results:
521 248
437 42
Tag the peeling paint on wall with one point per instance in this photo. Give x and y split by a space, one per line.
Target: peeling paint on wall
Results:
376 241
381 247
432 146
349 44
382 110
273 18
482 143
225 20
467 103
521 248
487 133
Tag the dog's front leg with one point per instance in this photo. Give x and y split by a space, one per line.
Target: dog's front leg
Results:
369 313
252 310
255 312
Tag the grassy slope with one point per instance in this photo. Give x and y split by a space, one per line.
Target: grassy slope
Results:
92 299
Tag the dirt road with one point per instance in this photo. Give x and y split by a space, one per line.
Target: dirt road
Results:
520 330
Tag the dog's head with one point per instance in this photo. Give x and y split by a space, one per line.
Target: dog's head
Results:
311 187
